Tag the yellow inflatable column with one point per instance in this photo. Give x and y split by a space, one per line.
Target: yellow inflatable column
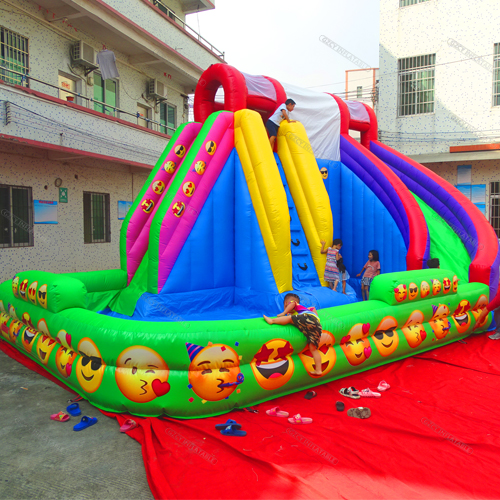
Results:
307 189
267 193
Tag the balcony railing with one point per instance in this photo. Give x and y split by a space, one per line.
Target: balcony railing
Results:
170 13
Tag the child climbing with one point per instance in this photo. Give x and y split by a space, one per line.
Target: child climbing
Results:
334 273
272 125
306 320
371 269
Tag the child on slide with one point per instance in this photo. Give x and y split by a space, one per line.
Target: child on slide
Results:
272 125
306 320
372 269
333 274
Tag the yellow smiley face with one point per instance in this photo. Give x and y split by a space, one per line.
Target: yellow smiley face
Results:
141 374
23 289
200 167
32 292
26 319
355 344
14 329
147 205
178 208
158 187
424 289
273 365
455 284
65 358
412 291
213 372
210 147
90 366
12 311
400 293
15 286
4 329
324 172
461 316
42 296
188 188
169 167
413 329
327 353
436 287
481 304
439 322
385 337
180 150
446 285
44 347
28 338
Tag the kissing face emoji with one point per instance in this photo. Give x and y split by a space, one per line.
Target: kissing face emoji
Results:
324 172
355 345
141 374
412 291
23 288
439 322
385 337
273 365
200 167
327 353
15 286
188 188
446 285
65 358
461 316
400 293
169 167
413 329
42 296
424 289
147 205
180 150
44 347
455 284
158 187
210 147
214 372
90 366
436 287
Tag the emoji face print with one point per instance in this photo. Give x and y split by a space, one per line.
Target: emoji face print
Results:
210 147
400 293
213 372
28 338
413 329
64 338
15 286
446 285
461 316
32 292
169 167
436 287
178 208
412 291
188 188
12 311
455 284
42 296
26 319
141 374
65 358
355 345
147 205
180 150
90 366
424 289
200 167
385 337
23 288
481 304
439 322
273 365
158 187
14 329
327 353
324 172
4 329
44 347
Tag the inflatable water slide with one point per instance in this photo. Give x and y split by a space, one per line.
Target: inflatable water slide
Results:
224 227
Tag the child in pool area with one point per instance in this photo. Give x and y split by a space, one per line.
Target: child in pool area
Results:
306 320
372 269
333 274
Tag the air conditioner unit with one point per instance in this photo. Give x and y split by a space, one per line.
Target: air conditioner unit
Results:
83 54
157 89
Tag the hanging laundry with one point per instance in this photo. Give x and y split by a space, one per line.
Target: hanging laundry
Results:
107 63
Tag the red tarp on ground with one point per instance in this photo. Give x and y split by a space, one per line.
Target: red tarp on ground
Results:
434 434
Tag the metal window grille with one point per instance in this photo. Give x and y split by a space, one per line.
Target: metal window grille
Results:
405 3
495 206
16 216
168 118
14 54
96 218
416 85
359 92
496 75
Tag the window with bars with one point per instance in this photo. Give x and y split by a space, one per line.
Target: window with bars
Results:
496 75
405 3
105 91
168 118
495 207
96 218
416 85
359 92
14 55
16 216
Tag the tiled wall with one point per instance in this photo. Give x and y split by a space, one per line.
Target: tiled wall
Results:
60 247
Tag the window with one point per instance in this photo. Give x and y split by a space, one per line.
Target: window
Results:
96 221
405 3
496 75
143 114
14 55
168 118
67 84
359 92
16 216
416 85
105 91
495 207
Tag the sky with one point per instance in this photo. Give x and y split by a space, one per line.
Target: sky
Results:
280 38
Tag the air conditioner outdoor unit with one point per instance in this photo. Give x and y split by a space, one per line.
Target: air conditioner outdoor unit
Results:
157 89
83 54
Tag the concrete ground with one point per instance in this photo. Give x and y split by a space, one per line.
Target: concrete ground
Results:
42 459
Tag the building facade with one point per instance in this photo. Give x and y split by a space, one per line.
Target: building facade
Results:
440 91
75 148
